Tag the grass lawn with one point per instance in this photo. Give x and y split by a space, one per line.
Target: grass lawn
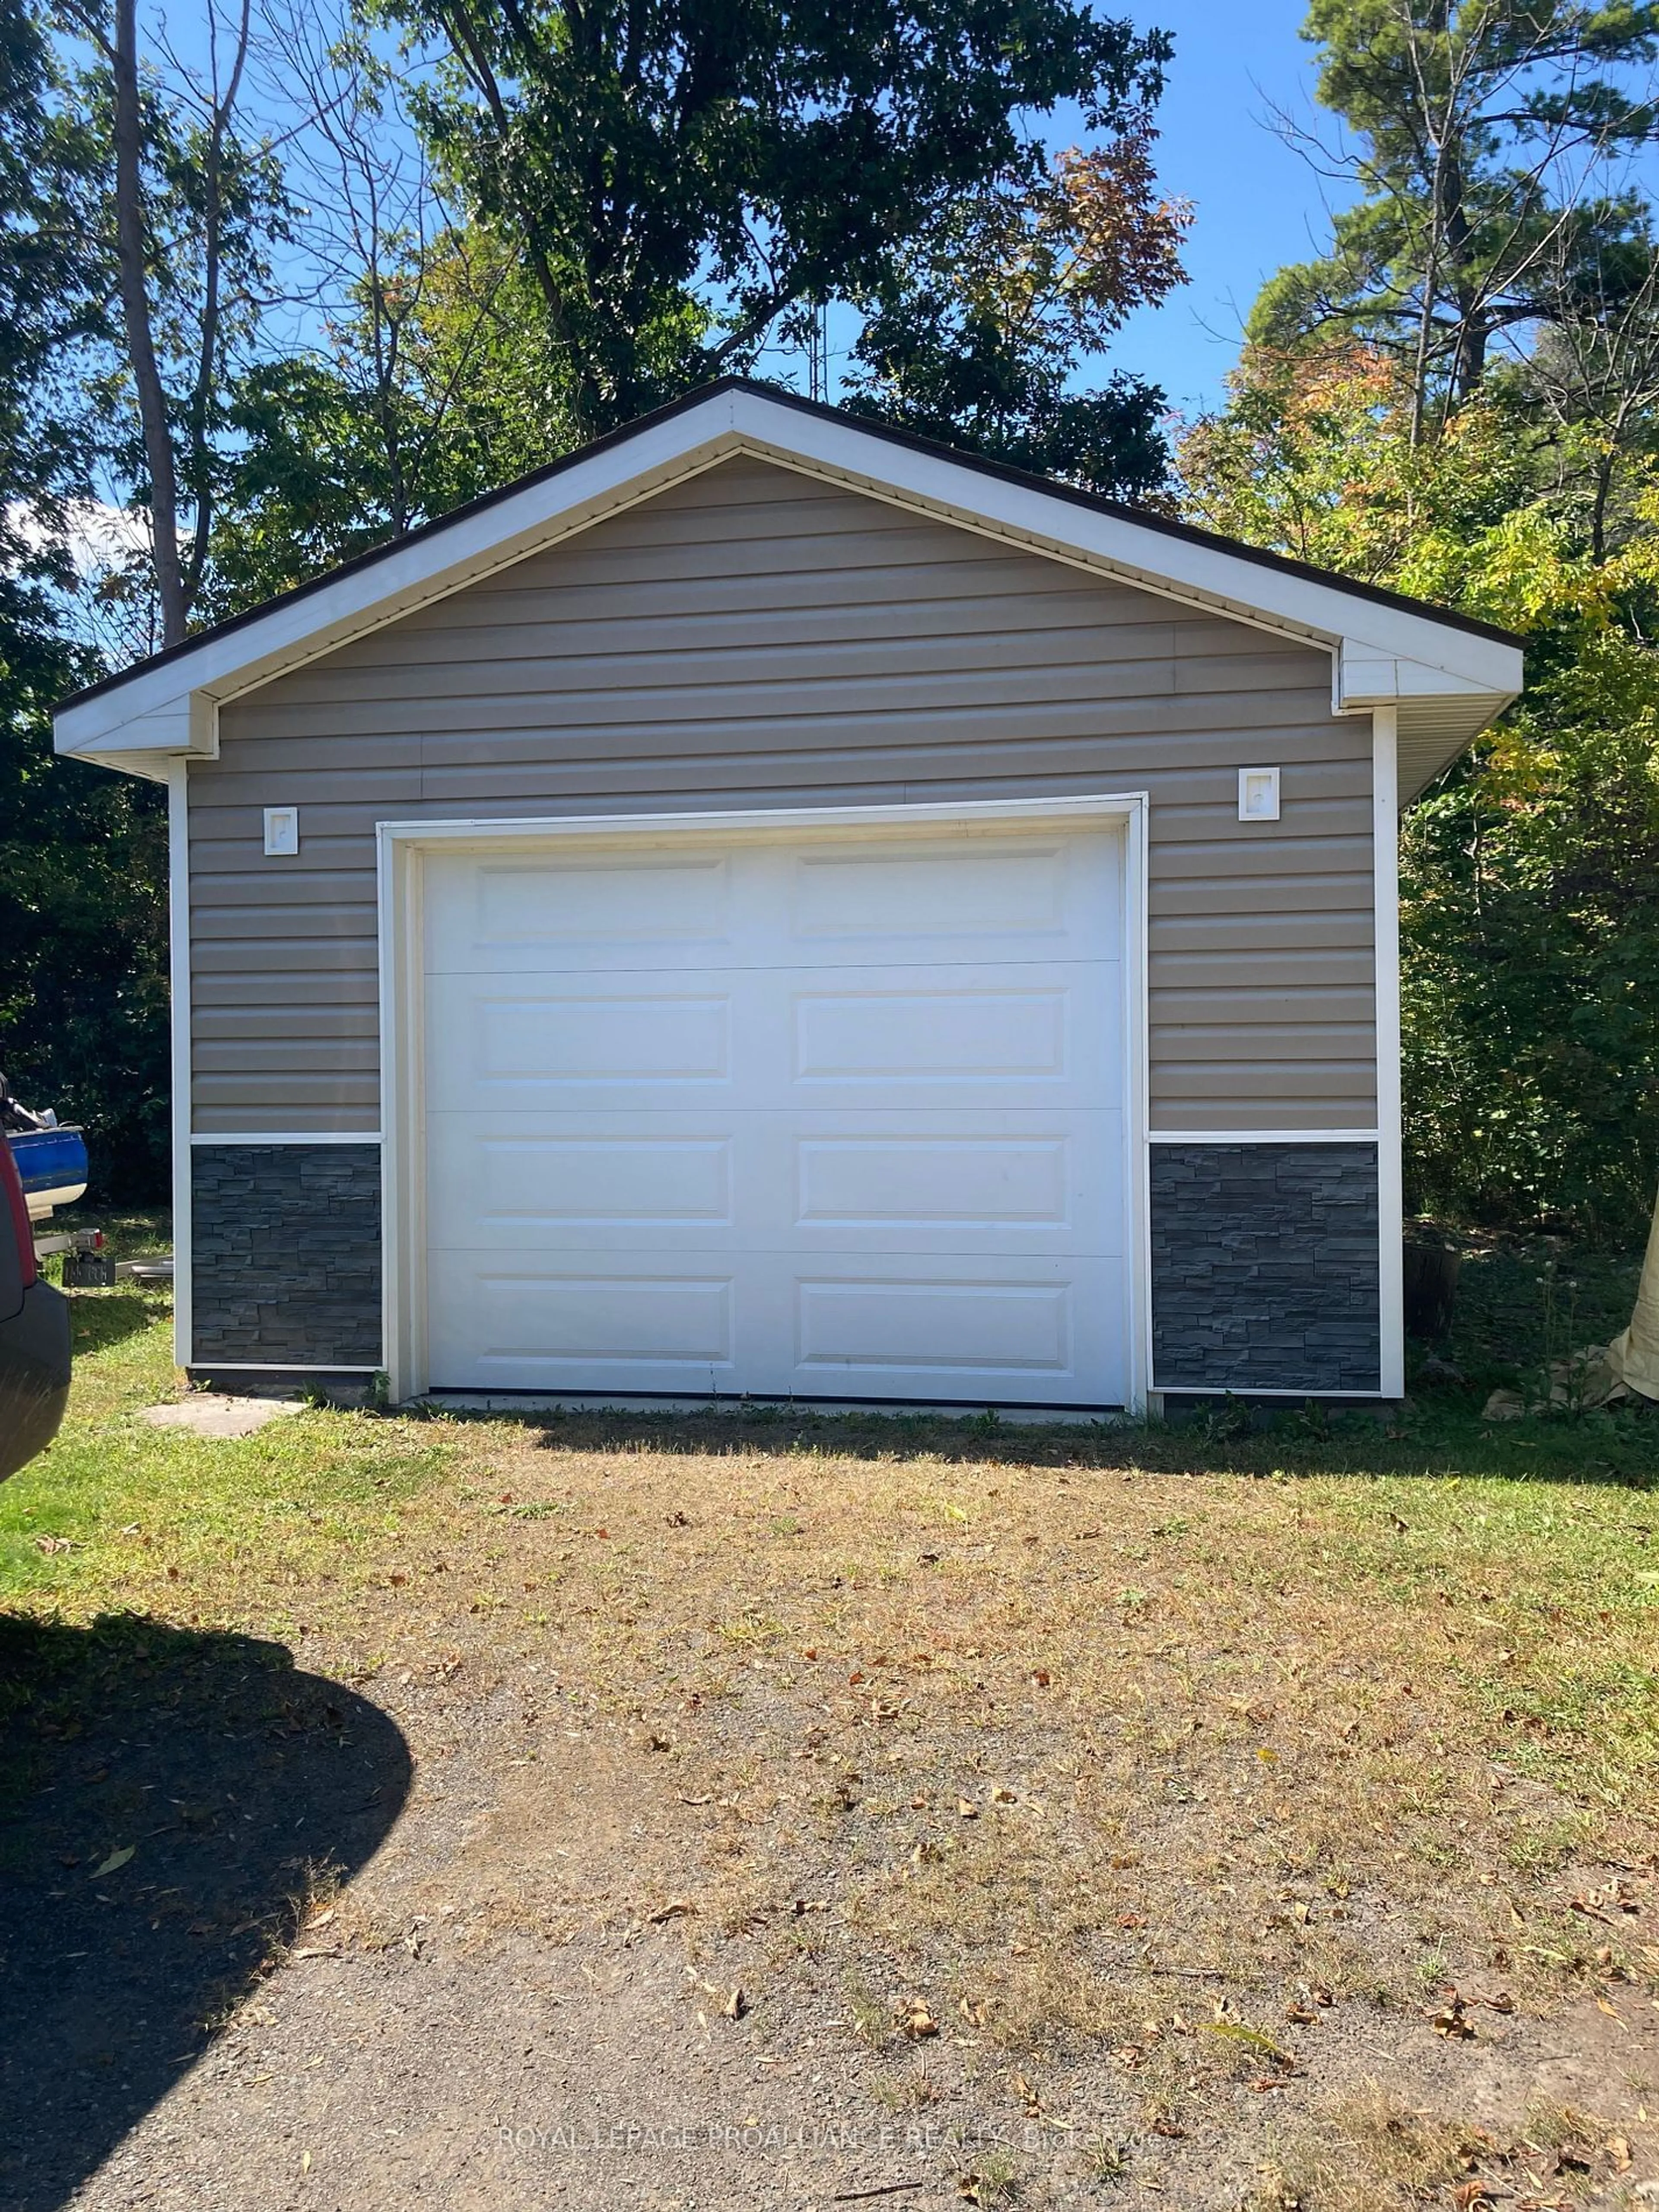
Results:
1248 1814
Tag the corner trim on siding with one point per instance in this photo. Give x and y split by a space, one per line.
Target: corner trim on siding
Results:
400 849
1138 1048
286 1137
1385 906
179 996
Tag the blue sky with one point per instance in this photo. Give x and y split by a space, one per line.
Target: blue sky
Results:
1258 204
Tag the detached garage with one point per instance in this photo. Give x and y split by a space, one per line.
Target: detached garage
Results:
768 905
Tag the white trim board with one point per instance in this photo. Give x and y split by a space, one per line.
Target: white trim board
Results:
1261 1136
1153 1136
1450 679
284 1367
1385 902
178 1017
400 847
286 1137
966 817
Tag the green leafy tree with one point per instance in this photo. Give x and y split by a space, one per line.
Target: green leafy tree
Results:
679 175
978 334
1485 138
429 374
186 209
434 384
83 854
1530 872
83 990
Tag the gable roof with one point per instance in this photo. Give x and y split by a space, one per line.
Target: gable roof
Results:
1447 674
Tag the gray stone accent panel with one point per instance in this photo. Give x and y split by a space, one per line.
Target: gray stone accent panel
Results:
1264 1267
285 1256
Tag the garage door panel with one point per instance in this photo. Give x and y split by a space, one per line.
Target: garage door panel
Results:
866 1328
959 1182
965 899
826 1117
1046 1332
559 1187
894 902
515 914
1047 1034
1044 1034
841 1181
607 1039
938 1326
967 1034
595 1323
869 1182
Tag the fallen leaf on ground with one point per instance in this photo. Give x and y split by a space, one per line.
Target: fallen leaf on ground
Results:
1238 2031
1452 2020
116 1860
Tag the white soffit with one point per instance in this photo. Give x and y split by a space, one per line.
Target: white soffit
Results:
1447 681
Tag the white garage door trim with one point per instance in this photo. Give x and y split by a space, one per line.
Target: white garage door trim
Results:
402 850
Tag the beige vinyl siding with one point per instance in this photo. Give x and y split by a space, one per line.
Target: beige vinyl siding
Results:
757 637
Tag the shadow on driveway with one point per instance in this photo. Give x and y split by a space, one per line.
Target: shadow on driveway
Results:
168 1798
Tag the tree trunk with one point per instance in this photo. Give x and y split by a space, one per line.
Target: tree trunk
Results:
130 242
1469 362
1604 468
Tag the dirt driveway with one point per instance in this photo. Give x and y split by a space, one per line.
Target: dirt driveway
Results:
735 1818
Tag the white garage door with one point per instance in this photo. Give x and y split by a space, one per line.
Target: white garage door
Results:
828 1116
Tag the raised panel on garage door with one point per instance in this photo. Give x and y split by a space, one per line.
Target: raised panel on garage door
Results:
822 1117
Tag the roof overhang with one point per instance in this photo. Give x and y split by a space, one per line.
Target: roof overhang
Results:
1445 677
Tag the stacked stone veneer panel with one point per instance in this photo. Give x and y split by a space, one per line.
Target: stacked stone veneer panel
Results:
286 1254
1264 1267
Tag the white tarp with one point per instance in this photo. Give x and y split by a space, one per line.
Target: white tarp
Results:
1634 1357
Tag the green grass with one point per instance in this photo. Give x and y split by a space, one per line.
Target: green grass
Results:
1343 1650
157 1512
156 1517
